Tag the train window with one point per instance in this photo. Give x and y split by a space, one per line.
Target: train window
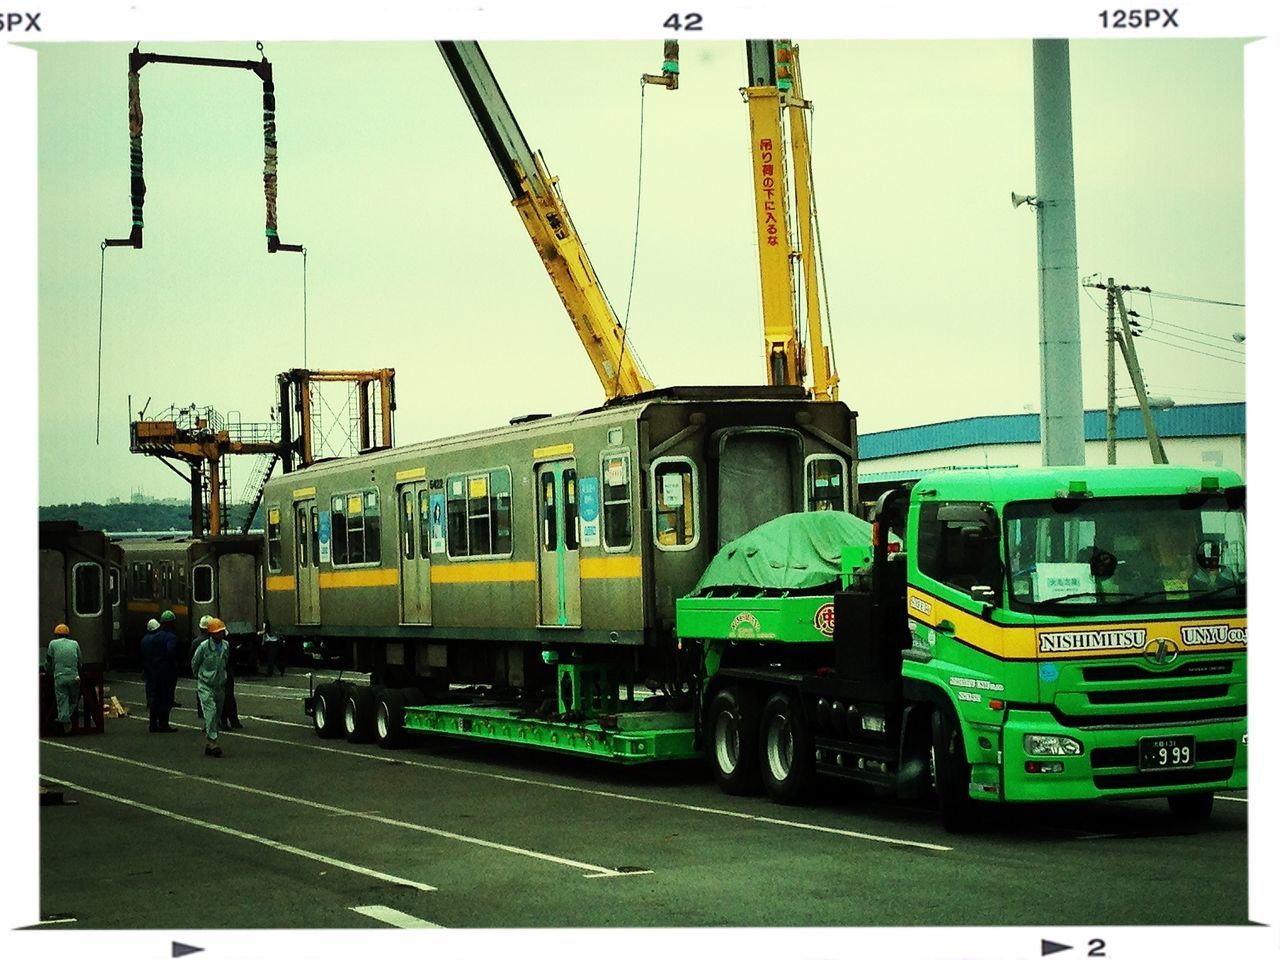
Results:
571 509
86 589
675 495
273 539
315 534
824 483
113 586
202 583
356 528
302 542
550 535
141 582
478 507
168 589
615 471
424 522
406 524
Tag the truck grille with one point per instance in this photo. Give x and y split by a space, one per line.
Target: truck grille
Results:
1158 694
1131 671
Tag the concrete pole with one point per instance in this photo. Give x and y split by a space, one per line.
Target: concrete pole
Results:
1061 390
1111 371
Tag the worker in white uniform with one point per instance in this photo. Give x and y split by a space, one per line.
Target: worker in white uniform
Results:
62 662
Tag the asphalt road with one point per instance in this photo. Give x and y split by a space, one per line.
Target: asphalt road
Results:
289 831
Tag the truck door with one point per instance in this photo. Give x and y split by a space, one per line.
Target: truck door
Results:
559 581
307 557
415 552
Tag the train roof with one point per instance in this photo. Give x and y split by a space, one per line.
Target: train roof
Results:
534 424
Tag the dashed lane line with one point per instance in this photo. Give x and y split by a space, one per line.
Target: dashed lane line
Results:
394 918
607 794
240 834
593 871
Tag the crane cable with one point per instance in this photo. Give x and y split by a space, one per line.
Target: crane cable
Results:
635 244
102 279
817 245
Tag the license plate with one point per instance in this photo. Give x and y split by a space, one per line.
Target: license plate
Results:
1166 753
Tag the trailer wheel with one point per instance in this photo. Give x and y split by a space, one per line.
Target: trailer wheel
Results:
732 725
1191 807
389 718
358 714
786 750
327 714
950 772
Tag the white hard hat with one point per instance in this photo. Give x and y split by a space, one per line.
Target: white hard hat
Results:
204 621
153 624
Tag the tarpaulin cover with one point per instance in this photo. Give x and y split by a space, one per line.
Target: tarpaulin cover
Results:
797 551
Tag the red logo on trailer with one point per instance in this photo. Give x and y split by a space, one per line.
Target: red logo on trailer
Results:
824 619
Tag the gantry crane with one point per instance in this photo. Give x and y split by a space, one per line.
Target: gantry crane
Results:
536 197
775 105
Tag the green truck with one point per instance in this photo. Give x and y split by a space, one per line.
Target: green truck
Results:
991 635
1034 634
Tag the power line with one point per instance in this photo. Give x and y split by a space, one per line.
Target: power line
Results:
1175 346
1179 296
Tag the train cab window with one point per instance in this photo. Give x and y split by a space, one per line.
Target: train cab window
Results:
824 483
615 476
675 496
113 586
86 589
478 507
273 539
356 528
202 583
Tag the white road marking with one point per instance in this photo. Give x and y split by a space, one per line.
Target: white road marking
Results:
1218 796
608 794
240 834
395 918
48 923
592 869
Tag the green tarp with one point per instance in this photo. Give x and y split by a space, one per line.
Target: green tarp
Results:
797 551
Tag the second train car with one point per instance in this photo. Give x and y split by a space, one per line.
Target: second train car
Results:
487 558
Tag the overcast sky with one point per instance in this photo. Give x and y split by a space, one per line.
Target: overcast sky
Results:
416 260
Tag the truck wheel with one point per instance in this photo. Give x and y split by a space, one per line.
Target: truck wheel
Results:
1191 807
389 718
950 772
358 714
327 714
786 750
732 725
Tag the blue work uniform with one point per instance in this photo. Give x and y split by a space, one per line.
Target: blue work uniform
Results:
160 674
209 667
62 662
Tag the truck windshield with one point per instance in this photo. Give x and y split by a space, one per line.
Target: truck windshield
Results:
1168 553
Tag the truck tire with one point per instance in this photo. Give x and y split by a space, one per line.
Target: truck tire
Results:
327 713
1191 807
786 750
389 718
358 714
733 725
950 773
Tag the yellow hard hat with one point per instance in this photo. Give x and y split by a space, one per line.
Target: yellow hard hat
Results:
217 626
62 630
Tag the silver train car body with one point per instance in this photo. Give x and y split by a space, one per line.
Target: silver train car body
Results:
485 558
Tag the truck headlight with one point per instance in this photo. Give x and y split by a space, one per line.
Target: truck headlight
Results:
1051 745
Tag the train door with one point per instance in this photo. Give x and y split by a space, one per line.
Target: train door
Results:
415 552
238 591
559 579
306 539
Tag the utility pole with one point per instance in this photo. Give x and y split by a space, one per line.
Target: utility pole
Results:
1111 371
1135 374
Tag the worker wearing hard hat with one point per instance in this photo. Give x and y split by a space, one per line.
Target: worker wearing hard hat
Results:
62 662
209 667
156 667
173 651
198 639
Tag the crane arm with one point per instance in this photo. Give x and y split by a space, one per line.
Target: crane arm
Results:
537 199
773 90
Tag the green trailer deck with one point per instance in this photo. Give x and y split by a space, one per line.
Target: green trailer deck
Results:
629 737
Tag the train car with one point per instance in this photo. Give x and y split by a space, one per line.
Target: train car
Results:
489 557
218 576
80 585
